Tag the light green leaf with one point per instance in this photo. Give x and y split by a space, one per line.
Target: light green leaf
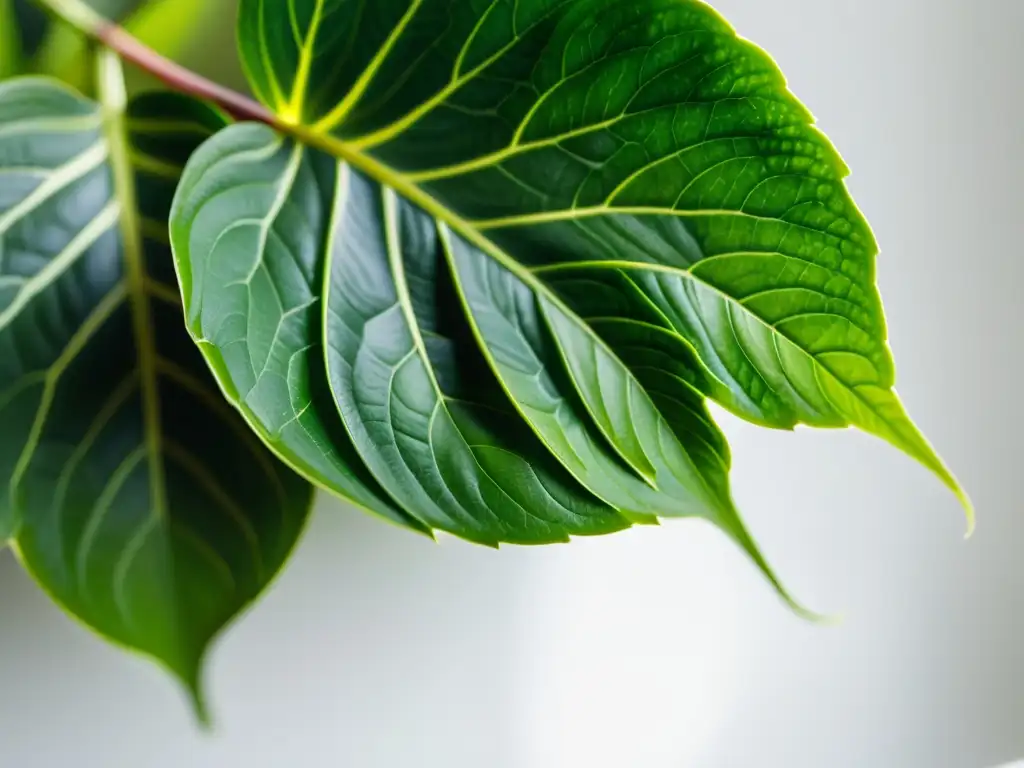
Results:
640 136
260 225
136 496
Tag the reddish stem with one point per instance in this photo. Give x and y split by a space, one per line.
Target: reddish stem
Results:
180 78
82 17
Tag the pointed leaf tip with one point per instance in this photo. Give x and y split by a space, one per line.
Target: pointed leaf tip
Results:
969 512
200 708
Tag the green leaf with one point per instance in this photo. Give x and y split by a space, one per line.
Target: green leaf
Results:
635 136
270 237
248 226
457 373
136 496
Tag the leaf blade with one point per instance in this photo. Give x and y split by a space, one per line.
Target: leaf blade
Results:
142 516
554 140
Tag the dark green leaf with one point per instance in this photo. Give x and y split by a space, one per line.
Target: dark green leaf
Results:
135 495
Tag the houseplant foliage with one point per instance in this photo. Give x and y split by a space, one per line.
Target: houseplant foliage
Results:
475 267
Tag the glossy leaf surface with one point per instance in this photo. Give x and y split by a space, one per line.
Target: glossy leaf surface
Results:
638 138
134 494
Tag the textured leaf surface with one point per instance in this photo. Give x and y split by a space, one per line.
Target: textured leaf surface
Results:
249 224
639 137
426 412
135 495
297 269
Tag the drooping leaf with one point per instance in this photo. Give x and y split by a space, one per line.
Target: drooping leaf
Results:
641 137
135 495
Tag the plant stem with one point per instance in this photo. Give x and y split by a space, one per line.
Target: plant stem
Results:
82 17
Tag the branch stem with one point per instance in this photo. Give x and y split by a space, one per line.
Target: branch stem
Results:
82 17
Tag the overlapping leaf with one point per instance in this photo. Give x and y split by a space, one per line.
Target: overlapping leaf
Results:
577 217
331 310
133 492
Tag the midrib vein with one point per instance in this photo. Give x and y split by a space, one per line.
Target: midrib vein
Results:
114 102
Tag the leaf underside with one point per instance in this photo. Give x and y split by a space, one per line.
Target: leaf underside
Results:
133 493
511 248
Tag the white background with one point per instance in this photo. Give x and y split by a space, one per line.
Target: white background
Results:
663 648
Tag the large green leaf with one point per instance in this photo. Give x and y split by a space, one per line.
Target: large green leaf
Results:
134 494
469 388
641 138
